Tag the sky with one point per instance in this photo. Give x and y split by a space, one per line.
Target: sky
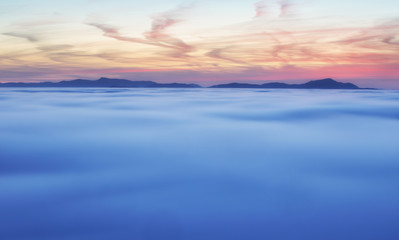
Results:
203 41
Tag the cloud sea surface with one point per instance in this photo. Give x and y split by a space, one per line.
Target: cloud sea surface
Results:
198 164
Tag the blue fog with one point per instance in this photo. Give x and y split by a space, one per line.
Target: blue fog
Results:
199 164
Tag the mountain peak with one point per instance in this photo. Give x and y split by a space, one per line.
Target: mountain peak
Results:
104 79
326 80
326 83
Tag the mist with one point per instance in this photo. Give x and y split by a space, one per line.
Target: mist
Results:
198 164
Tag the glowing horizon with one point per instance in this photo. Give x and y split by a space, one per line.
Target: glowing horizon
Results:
202 42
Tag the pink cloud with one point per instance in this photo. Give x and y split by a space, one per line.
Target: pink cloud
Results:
260 9
158 35
285 8
218 53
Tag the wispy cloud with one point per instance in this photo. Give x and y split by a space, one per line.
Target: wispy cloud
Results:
219 54
158 35
282 8
26 36
261 8
391 40
286 8
51 48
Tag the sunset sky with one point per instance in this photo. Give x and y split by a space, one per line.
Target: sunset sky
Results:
203 41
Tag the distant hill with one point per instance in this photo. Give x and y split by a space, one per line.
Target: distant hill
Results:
103 82
327 83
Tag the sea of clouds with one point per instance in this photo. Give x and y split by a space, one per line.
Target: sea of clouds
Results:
198 164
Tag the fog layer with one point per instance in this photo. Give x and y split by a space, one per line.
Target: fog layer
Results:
199 164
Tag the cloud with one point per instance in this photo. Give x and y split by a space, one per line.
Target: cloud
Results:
26 36
113 32
285 8
391 40
260 9
158 35
218 53
152 164
165 20
268 7
158 32
54 20
359 39
51 48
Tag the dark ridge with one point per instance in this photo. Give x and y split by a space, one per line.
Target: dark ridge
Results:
236 85
327 83
275 85
103 82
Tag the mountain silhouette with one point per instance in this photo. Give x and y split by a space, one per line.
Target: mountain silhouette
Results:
326 83
102 82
